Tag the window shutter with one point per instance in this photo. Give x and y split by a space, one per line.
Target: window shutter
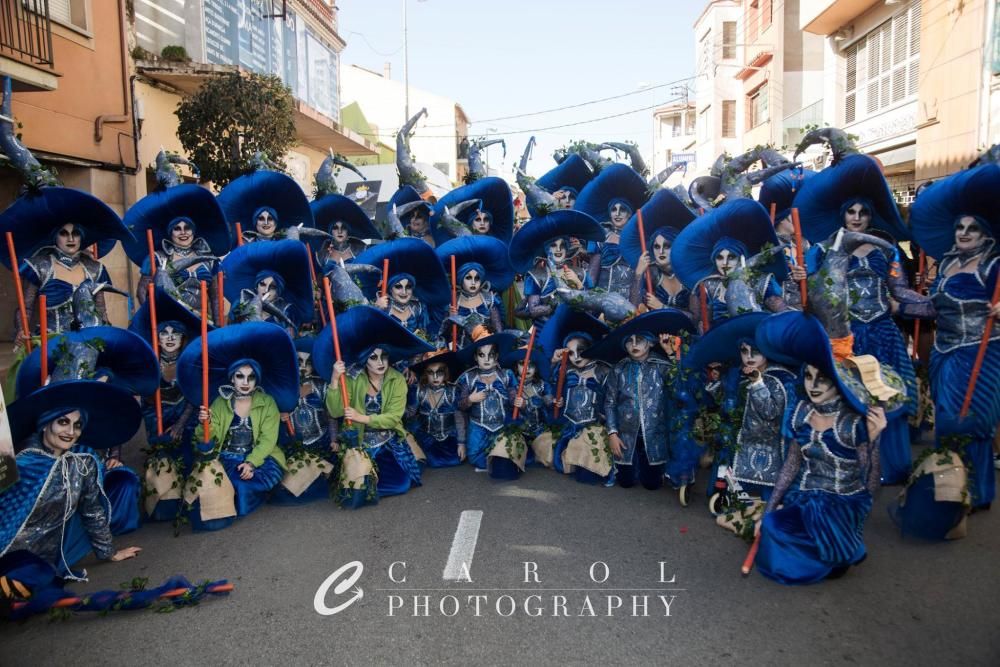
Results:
60 10
729 118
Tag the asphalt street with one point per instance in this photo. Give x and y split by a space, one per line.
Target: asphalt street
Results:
909 602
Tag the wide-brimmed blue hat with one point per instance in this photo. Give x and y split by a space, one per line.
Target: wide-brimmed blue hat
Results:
664 209
511 358
616 181
823 196
443 356
564 321
266 343
655 322
34 217
573 173
529 242
287 258
244 197
939 205
744 220
332 208
721 343
781 190
415 257
113 414
158 209
305 344
504 343
496 198
360 330
126 355
485 250
405 195
167 309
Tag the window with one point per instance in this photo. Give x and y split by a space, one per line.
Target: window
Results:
728 40
689 128
703 123
757 107
729 119
883 67
675 126
69 12
750 20
765 14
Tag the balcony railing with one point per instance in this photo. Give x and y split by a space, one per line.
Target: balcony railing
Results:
793 126
25 31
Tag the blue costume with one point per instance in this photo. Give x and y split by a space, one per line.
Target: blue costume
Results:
488 417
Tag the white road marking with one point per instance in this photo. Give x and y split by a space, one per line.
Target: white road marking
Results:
463 546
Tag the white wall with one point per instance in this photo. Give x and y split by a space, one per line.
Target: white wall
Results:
716 82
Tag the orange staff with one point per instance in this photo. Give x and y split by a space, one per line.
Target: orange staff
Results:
799 258
980 354
524 367
204 359
22 311
561 381
921 265
43 328
152 253
385 276
454 304
774 212
239 234
288 424
157 400
751 556
642 242
220 299
336 340
703 303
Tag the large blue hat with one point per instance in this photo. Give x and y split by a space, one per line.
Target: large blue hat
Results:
360 330
664 209
127 356
741 219
415 257
503 341
485 250
662 320
511 358
446 357
940 204
36 215
781 190
288 258
823 196
722 342
564 321
332 208
158 209
305 344
244 197
616 181
573 172
113 414
167 309
529 242
496 198
405 195
267 344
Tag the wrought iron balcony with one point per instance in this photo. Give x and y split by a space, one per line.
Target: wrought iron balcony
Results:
26 31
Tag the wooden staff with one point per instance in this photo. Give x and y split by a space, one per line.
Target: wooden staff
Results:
239 235
155 337
921 262
220 299
288 424
703 303
336 341
312 283
751 556
642 242
799 257
207 424
22 311
561 382
677 347
980 354
385 276
774 211
524 367
43 328
454 303
151 248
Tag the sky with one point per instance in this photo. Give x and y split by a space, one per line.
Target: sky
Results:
500 59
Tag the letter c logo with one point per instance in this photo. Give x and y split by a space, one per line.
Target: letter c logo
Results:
319 601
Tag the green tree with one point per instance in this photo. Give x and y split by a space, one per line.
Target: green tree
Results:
233 117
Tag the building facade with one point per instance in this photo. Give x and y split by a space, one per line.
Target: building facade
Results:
675 137
719 126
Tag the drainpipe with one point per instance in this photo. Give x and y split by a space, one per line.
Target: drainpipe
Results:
124 116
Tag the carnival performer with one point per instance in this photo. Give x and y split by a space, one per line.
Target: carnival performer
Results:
57 509
562 182
267 206
535 403
348 226
376 395
780 191
414 214
613 196
955 222
432 414
483 272
543 248
486 393
814 520
663 216
253 375
852 195
484 207
270 282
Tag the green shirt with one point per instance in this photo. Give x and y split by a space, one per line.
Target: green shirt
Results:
393 401
264 422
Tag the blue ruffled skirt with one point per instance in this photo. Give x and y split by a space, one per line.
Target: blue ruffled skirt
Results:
122 487
440 453
398 470
811 535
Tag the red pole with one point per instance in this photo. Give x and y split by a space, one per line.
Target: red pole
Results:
207 425
43 328
703 302
921 262
239 235
385 276
774 212
751 556
157 400
560 383
799 257
152 253
336 340
524 366
642 242
980 355
22 311
454 304
221 283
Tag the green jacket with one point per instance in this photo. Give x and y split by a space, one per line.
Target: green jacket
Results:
264 421
393 401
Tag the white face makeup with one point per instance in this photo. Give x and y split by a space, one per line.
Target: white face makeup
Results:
402 291
532 370
576 347
69 239
182 234
857 218
472 282
568 200
170 340
480 223
486 357
619 214
725 262
305 365
339 232
661 254
244 380
968 234
819 387
378 363
752 359
784 227
418 223
265 223
637 348
62 433
267 290
436 375
557 250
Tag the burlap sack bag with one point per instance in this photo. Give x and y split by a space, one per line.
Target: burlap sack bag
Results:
500 450
297 479
356 466
162 483
580 451
542 446
950 480
218 501
752 512
418 451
